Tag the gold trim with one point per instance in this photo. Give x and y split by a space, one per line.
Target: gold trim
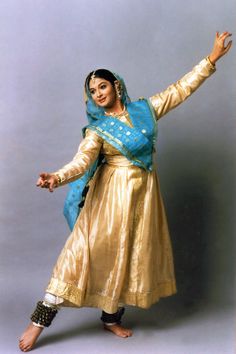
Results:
213 66
75 297
131 157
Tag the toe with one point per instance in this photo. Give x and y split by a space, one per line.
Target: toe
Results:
128 333
23 347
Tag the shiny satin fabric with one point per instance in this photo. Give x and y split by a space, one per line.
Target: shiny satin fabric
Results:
119 249
177 93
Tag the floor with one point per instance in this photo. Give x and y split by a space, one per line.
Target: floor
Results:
165 328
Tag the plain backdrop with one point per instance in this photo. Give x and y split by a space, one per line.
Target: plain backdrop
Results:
47 49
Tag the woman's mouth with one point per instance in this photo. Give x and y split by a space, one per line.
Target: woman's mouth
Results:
102 100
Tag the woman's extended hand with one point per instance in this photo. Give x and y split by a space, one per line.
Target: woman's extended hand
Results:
47 180
220 48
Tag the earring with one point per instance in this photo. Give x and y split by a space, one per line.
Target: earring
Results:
118 91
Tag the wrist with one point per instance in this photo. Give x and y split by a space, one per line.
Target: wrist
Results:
213 59
58 178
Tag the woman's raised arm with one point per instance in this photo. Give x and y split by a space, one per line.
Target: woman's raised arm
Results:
178 92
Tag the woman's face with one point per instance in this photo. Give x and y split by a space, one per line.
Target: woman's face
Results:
102 92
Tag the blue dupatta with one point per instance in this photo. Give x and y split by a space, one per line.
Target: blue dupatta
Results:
135 143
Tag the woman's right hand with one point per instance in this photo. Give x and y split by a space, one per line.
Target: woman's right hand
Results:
47 180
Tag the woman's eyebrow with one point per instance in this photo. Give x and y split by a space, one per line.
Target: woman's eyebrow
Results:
100 83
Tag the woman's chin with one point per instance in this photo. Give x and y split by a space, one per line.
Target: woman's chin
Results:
105 106
102 104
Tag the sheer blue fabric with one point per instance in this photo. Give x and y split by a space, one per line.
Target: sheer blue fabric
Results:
134 143
96 113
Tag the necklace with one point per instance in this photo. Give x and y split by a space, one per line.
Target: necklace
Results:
114 114
122 116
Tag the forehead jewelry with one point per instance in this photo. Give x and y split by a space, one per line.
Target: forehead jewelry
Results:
93 76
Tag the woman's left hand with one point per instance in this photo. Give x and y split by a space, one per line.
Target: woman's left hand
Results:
220 48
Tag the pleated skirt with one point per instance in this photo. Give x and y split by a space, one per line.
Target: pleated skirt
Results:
119 250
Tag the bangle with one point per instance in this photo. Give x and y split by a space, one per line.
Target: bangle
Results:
58 178
210 62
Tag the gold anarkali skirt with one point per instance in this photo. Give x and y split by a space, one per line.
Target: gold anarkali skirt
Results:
119 250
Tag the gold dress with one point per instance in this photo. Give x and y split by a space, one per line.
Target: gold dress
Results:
119 250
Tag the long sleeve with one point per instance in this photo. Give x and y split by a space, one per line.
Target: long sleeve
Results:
177 93
88 152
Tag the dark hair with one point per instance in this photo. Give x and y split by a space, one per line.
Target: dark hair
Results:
101 74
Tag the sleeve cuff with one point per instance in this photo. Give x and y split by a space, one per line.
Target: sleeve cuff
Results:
60 177
211 65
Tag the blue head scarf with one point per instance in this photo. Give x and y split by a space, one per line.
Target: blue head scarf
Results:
95 112
78 189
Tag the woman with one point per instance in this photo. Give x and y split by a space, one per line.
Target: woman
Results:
119 250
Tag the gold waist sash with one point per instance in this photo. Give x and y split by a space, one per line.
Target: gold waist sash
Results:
118 160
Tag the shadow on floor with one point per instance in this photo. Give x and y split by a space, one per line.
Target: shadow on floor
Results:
74 331
166 314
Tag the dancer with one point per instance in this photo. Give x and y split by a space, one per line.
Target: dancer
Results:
119 250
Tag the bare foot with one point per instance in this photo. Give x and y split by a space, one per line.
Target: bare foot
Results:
29 337
119 330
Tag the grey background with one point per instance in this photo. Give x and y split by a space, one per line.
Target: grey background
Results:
47 49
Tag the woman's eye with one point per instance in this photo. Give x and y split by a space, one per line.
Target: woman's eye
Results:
92 92
103 87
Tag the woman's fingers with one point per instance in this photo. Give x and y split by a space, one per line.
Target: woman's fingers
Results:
51 185
47 180
43 180
223 48
40 179
224 35
38 183
228 46
44 175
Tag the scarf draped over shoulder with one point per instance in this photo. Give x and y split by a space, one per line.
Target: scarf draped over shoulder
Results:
136 143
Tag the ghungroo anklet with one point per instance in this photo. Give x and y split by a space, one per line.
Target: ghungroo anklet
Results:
43 315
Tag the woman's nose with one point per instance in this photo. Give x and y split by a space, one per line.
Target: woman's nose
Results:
98 93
